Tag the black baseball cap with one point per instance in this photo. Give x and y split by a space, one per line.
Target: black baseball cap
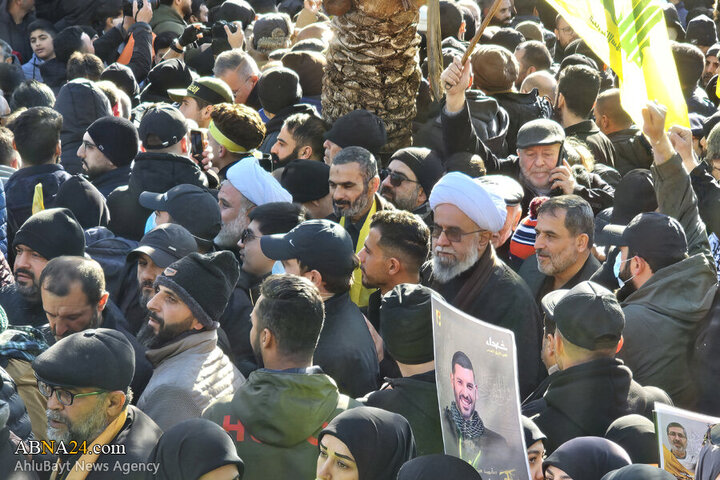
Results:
165 244
586 315
541 131
164 121
306 180
651 236
321 245
191 206
634 194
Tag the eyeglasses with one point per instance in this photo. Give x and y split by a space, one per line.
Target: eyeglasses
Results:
453 234
247 236
63 396
88 145
396 178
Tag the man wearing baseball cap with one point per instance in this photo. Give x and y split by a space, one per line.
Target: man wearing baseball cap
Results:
191 371
162 165
322 251
86 380
539 165
199 98
592 388
666 271
108 147
190 206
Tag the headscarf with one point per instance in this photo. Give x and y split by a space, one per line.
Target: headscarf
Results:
588 458
379 441
639 472
636 434
531 432
193 448
432 467
708 466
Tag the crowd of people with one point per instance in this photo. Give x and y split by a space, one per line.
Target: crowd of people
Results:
204 278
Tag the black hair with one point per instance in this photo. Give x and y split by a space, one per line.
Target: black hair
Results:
32 93
459 358
7 152
580 85
307 130
335 283
67 41
579 216
43 25
61 273
292 309
277 217
450 19
37 133
403 235
536 55
674 425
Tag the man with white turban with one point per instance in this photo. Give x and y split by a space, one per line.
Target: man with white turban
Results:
247 186
466 271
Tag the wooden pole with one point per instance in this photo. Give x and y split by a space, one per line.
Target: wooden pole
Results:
434 48
486 21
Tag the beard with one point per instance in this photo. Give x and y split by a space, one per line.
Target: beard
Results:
408 203
558 263
30 292
281 162
165 333
353 209
445 269
86 430
144 298
255 344
94 323
230 233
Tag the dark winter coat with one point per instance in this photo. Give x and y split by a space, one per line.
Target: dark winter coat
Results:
600 146
522 107
541 284
19 420
632 150
16 35
109 181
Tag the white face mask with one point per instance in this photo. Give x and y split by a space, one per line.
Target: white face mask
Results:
617 267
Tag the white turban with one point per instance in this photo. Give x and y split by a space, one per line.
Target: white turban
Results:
257 185
485 208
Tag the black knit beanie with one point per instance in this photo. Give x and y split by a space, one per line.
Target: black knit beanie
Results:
204 283
52 233
406 324
425 164
116 138
359 128
85 201
279 88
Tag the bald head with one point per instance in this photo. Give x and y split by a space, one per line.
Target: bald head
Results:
543 81
609 113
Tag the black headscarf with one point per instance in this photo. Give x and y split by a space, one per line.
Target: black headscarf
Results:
588 458
639 472
708 466
193 448
636 434
432 467
379 441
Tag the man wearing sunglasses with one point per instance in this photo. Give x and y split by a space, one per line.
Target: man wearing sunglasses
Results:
466 271
88 402
409 179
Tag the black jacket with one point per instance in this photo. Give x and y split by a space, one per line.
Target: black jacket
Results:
345 350
632 150
54 74
505 301
139 435
522 107
19 311
152 172
109 181
698 102
460 135
106 47
415 398
16 35
706 361
541 284
600 146
585 399
273 126
490 120
19 420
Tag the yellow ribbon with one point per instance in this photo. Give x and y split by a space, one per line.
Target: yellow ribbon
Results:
223 140
38 204
359 294
107 436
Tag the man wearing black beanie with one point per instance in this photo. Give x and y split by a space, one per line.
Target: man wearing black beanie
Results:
191 371
107 150
46 235
406 329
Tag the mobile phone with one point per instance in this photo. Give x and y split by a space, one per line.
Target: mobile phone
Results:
197 144
561 157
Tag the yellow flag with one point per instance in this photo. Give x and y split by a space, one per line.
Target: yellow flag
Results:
630 36
38 202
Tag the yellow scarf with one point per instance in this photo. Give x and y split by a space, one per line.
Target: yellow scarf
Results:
674 466
359 294
107 436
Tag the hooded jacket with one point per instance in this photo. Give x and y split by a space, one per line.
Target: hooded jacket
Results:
522 107
109 181
54 74
632 150
190 373
151 172
278 415
81 103
31 69
491 124
585 399
663 315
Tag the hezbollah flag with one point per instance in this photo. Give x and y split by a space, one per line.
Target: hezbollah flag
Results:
630 36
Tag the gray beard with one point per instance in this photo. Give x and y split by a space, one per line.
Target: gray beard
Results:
443 271
86 431
230 233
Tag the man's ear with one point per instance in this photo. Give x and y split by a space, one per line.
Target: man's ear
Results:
422 198
581 242
315 277
103 301
394 266
267 339
184 144
374 184
116 401
305 152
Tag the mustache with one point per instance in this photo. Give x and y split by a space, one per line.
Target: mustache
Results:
157 318
55 416
147 284
24 271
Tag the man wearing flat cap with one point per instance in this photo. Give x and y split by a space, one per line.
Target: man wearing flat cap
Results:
592 388
467 272
406 329
86 380
409 179
666 272
190 369
539 165
46 235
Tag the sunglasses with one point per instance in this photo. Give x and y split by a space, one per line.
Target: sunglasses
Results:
396 178
453 234
247 236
